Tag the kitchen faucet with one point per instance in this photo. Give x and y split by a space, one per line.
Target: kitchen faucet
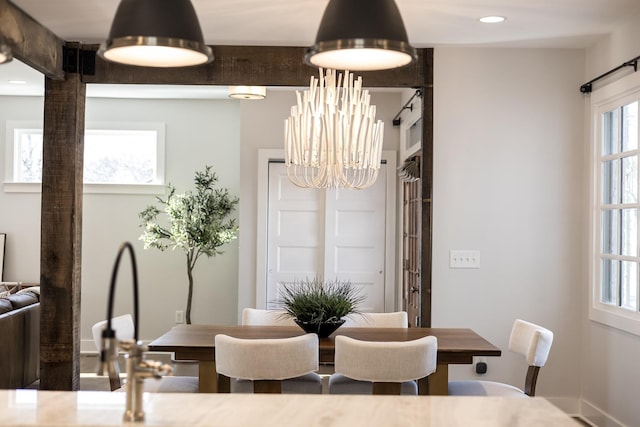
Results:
137 367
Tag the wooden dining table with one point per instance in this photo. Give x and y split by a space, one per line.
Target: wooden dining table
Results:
197 342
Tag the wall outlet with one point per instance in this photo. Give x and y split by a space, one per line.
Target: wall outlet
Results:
179 317
480 365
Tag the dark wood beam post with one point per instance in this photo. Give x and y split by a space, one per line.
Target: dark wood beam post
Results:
253 65
61 233
426 170
30 42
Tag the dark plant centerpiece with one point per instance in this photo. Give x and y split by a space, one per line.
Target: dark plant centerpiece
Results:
319 306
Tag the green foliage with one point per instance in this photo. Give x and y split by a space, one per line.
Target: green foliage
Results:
198 222
315 301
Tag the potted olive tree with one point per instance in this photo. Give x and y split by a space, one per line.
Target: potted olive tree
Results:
198 223
319 306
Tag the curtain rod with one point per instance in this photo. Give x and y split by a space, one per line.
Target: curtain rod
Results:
587 87
396 119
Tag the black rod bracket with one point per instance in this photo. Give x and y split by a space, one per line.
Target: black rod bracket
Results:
408 106
588 86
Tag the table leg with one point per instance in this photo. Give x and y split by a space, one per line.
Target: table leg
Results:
207 380
439 381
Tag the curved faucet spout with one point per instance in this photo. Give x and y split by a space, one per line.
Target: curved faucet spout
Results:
137 367
112 288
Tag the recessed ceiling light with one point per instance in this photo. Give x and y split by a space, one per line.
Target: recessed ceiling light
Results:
17 82
492 19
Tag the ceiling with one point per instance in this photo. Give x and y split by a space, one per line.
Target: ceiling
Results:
429 23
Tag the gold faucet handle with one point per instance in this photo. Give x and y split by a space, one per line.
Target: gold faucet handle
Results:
154 368
161 368
132 346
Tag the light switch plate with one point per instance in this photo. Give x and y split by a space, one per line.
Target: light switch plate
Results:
464 259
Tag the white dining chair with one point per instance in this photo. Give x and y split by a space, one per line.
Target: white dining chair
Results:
257 316
397 319
272 365
124 329
379 367
527 339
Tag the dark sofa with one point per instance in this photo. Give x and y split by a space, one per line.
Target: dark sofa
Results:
20 329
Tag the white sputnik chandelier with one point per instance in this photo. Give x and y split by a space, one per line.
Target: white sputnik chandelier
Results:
332 139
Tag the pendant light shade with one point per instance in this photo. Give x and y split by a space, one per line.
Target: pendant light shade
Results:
361 35
156 33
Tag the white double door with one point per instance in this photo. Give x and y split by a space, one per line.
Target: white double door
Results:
336 234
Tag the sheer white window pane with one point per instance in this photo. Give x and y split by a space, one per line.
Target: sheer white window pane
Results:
629 232
611 182
28 161
630 127
629 288
610 143
610 231
111 156
616 224
609 281
119 157
630 179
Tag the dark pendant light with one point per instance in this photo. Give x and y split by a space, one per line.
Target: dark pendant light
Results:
156 33
361 35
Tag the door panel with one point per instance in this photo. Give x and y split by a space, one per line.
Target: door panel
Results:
334 233
293 243
355 240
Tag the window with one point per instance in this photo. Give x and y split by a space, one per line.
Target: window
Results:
118 157
616 257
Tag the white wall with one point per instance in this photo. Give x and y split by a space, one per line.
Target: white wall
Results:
508 181
610 373
19 212
198 133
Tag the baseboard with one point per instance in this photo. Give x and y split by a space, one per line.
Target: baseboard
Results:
570 405
88 346
596 417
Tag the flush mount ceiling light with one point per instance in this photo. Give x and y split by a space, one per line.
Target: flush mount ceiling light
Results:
5 53
361 35
332 138
492 19
247 92
156 33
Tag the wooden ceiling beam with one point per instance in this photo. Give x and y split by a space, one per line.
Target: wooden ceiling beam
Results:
254 65
30 42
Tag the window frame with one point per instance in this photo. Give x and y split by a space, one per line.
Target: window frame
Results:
157 187
612 96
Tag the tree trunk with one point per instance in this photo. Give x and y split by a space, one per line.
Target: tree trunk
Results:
190 294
